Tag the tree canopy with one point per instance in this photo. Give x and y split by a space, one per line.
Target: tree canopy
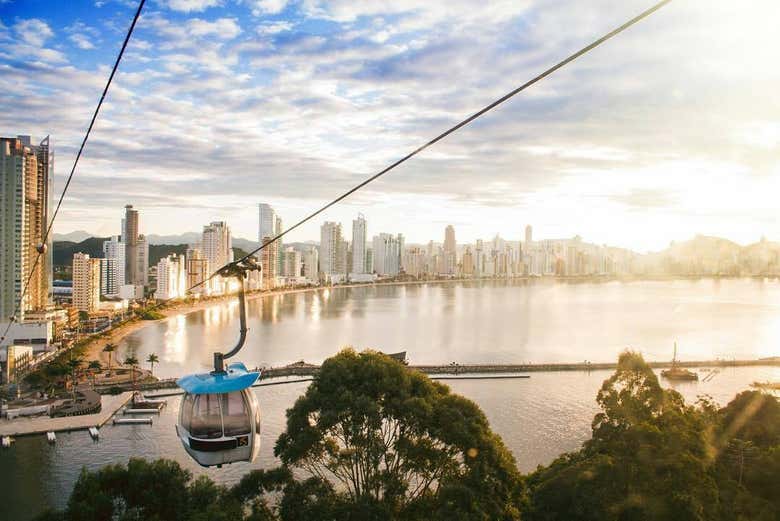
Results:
371 439
399 444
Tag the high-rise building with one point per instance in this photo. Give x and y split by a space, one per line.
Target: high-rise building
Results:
112 267
414 262
171 278
86 283
269 258
197 268
468 263
369 260
386 249
529 239
142 261
479 259
292 262
332 250
218 250
279 246
311 264
26 172
267 222
130 240
450 250
359 244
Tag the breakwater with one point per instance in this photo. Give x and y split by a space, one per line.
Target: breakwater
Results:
304 369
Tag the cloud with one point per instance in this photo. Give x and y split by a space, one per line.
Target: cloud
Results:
264 7
226 110
189 6
33 31
276 27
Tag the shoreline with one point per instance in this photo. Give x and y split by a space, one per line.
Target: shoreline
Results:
93 350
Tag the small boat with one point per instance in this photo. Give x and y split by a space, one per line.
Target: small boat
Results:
678 373
5 441
94 432
51 437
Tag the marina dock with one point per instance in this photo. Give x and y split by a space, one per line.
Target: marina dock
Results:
110 404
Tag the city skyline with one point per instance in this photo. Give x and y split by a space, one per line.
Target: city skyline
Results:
290 101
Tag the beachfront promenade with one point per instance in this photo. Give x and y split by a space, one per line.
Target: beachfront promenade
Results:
43 424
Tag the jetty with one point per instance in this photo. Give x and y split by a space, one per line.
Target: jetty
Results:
44 424
303 369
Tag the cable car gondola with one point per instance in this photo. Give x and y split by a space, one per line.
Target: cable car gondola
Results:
219 417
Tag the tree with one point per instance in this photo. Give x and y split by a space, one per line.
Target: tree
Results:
73 366
94 367
109 348
152 359
649 458
132 362
400 445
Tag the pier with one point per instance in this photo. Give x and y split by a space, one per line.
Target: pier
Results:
301 369
44 424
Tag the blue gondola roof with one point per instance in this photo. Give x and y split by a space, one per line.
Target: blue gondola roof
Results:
236 378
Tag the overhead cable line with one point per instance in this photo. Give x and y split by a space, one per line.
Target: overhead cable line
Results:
641 16
42 247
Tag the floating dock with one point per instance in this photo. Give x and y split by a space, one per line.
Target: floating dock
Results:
42 425
132 421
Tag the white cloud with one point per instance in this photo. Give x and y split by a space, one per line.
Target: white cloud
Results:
33 31
190 6
262 7
222 28
275 27
81 41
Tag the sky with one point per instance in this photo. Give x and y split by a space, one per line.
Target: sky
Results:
669 130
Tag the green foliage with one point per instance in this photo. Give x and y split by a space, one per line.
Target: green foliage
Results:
652 457
382 442
150 314
400 444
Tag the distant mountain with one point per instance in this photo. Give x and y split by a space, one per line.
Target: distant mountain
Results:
184 238
76 236
64 250
705 255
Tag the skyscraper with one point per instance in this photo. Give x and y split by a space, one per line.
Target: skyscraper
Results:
130 240
269 258
311 264
112 267
450 250
197 269
386 248
332 249
26 173
279 246
292 262
171 278
267 222
359 244
86 283
217 249
528 237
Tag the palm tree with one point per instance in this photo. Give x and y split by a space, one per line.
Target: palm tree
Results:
152 359
110 348
132 362
74 364
94 367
